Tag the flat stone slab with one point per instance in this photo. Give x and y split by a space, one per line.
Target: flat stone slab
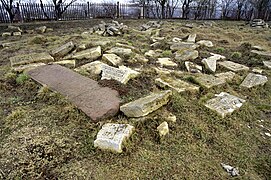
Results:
120 51
224 103
27 67
95 101
267 64
175 84
226 76
186 54
209 64
112 136
252 80
90 54
63 50
112 59
94 67
179 46
192 67
233 66
145 105
205 43
208 81
166 62
262 53
122 74
30 58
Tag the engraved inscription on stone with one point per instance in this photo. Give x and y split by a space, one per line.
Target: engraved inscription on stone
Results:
254 80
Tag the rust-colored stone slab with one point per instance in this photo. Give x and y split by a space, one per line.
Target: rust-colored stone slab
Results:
95 101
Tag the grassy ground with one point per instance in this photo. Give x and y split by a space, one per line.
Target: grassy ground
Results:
43 136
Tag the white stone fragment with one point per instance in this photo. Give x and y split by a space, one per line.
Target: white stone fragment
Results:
252 80
205 43
163 129
112 59
166 62
94 67
112 136
267 64
233 66
192 38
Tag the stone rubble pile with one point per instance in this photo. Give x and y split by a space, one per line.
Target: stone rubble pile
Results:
110 29
258 23
151 24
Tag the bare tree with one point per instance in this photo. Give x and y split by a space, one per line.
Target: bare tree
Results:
170 8
261 8
186 8
10 8
226 4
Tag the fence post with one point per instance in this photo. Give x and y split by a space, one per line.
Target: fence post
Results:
118 9
88 15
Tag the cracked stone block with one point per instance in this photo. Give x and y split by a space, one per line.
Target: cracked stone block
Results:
224 103
122 74
90 54
233 66
175 84
166 62
63 50
208 81
112 59
30 58
112 136
145 105
252 80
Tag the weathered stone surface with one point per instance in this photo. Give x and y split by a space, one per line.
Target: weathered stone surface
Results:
225 76
6 34
171 118
17 33
209 81
120 51
41 29
27 67
224 103
267 64
66 63
257 70
176 40
216 56
192 38
125 46
122 74
12 28
163 129
233 66
192 67
187 54
252 80
175 84
63 50
30 58
259 48
157 39
205 43
166 62
262 53
112 59
150 53
112 136
94 67
183 46
146 105
95 101
209 64
139 58
90 54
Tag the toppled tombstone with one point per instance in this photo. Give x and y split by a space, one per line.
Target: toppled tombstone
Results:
267 64
12 28
90 54
146 105
205 43
233 66
122 74
257 70
66 63
183 46
112 136
258 23
230 170
192 67
30 58
163 129
120 51
6 34
261 53
209 64
63 50
216 57
224 103
27 67
252 80
110 29
175 84
95 101
166 62
225 76
41 29
192 38
209 81
187 54
17 34
94 67
151 24
125 46
112 59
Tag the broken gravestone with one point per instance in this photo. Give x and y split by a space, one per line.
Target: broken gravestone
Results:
225 76
192 67
27 67
66 63
112 136
90 54
166 62
146 105
95 101
187 54
94 67
112 59
252 80
31 58
192 38
183 46
262 53
122 74
208 81
267 64
63 50
224 103
205 43
233 66
175 84
120 51
210 62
